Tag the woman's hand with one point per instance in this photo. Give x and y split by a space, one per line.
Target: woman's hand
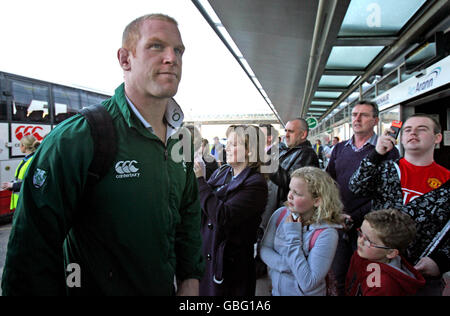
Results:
199 169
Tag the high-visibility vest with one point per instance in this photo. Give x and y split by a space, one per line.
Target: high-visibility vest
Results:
19 174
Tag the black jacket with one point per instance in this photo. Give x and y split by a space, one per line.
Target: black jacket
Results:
380 181
290 159
231 215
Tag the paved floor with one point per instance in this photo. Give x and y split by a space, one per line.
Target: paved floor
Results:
5 229
447 284
263 285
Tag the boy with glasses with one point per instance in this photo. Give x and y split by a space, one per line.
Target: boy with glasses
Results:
377 268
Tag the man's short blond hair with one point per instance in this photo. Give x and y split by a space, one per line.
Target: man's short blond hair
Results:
132 34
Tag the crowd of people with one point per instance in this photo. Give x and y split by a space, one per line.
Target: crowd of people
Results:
353 218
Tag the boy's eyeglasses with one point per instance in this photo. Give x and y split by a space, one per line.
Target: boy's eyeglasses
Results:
367 241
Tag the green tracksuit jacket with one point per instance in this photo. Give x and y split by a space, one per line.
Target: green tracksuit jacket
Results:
140 229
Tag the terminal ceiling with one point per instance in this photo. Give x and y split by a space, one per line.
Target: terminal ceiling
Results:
309 56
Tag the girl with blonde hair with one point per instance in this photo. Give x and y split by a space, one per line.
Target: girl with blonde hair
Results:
301 237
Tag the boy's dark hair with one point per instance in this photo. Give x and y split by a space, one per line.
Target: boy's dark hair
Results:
394 228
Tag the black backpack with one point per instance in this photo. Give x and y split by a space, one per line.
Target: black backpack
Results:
105 142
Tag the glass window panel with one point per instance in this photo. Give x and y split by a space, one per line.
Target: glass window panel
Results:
404 75
336 81
326 94
30 101
95 99
3 106
3 110
361 57
369 94
321 103
339 116
67 103
378 17
66 100
387 83
352 104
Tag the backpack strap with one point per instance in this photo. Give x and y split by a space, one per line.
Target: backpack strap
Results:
314 237
280 217
105 143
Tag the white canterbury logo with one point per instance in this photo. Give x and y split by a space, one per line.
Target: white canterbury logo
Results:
127 169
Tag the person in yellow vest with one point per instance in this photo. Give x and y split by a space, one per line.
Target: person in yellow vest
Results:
319 151
28 145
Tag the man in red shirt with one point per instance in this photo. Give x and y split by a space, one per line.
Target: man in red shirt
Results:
419 172
415 184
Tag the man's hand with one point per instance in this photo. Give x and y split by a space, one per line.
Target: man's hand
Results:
385 142
188 287
7 185
427 267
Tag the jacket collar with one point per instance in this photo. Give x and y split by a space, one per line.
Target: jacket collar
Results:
173 116
372 141
236 182
287 150
305 143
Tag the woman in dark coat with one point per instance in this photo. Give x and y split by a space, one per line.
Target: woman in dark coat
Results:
232 201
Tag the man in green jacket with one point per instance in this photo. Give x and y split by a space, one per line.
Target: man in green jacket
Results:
140 229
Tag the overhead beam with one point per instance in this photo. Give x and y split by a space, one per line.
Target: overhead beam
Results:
331 89
315 113
318 99
365 41
330 15
231 122
344 72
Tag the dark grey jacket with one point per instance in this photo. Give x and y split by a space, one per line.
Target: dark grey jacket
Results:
380 180
290 159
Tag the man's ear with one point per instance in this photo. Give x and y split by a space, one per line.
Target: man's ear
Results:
123 56
304 135
437 138
392 253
